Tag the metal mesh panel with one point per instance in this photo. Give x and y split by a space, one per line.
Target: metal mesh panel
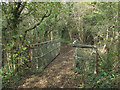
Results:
42 54
84 59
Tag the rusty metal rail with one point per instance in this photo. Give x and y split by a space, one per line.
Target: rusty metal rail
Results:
84 46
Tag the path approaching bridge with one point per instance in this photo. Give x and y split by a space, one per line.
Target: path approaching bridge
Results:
58 74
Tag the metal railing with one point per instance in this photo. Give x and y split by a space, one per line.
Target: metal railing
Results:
85 58
41 54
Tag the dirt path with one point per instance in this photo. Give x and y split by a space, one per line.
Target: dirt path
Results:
59 74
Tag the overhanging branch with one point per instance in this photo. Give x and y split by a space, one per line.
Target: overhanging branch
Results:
45 15
31 28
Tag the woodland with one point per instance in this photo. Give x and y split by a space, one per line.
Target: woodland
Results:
88 23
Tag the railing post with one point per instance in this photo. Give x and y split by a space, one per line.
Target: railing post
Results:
29 53
96 61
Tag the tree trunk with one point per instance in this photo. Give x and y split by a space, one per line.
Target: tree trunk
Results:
119 37
119 32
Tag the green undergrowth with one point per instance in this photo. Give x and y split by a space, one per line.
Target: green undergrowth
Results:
103 80
66 41
100 80
12 80
108 75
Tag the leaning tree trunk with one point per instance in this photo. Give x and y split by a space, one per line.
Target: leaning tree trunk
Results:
119 38
119 32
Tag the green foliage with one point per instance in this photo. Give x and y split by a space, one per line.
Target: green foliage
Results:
66 41
103 80
107 76
97 19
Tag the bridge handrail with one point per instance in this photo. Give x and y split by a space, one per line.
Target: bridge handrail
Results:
84 46
43 43
38 52
76 54
47 53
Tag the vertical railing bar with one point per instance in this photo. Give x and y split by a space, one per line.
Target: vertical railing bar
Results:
96 61
29 52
